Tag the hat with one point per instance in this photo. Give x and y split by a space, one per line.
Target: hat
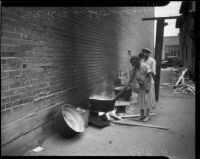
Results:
147 50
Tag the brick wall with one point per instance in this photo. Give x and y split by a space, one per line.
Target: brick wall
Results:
54 56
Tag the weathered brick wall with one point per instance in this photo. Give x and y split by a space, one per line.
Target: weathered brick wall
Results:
54 56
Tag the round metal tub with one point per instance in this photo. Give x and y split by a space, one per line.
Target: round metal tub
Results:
69 121
126 95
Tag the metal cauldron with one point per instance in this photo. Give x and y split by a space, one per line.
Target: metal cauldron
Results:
69 122
104 105
126 94
100 105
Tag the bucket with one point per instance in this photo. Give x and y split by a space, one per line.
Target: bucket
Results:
69 122
126 95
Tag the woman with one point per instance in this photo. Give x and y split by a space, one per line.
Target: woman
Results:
141 56
141 78
151 62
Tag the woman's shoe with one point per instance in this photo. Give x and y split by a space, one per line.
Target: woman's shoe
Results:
146 119
140 118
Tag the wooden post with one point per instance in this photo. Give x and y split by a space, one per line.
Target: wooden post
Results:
158 50
129 57
160 18
158 54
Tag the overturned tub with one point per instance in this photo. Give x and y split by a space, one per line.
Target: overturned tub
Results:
69 122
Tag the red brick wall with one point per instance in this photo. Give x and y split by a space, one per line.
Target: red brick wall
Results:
50 57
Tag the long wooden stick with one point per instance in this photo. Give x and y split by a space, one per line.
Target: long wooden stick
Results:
157 18
183 73
133 116
139 124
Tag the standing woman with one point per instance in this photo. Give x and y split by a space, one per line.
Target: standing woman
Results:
141 77
151 62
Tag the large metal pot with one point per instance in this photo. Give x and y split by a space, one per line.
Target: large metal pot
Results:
69 121
104 105
126 94
101 105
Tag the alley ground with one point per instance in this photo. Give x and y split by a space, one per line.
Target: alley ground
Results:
175 111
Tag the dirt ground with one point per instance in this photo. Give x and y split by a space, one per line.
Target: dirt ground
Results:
175 111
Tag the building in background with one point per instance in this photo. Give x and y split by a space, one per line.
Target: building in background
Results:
187 44
170 47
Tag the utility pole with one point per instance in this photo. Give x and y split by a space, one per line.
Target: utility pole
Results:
158 48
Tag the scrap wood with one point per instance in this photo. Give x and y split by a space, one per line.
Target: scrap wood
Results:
138 124
190 83
190 87
133 116
183 73
193 93
180 88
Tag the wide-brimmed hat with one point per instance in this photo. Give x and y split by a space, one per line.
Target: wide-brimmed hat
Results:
147 50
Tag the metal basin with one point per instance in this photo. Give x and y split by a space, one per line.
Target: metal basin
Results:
69 121
126 94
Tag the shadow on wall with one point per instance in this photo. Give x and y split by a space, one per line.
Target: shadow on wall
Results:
92 65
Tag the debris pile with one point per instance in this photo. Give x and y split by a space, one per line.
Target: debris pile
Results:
179 75
183 83
187 87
